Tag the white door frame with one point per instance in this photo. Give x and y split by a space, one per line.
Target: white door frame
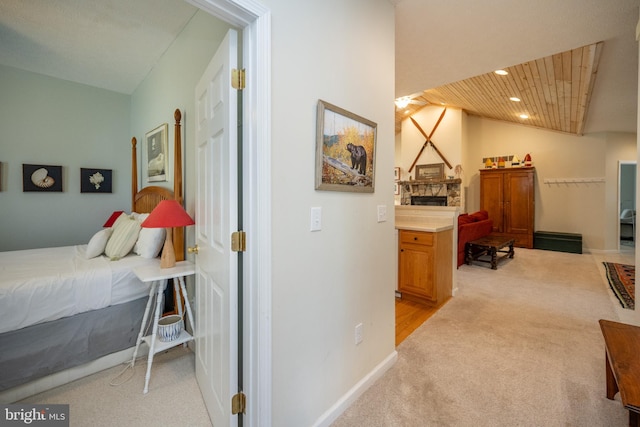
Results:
254 19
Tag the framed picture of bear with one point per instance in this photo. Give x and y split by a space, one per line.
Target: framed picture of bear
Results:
345 150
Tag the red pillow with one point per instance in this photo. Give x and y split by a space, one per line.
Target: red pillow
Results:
112 218
465 219
480 215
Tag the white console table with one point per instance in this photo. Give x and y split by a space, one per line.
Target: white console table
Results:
159 278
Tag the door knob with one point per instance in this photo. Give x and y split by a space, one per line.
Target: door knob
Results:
193 249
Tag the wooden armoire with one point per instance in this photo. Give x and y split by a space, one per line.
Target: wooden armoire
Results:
508 196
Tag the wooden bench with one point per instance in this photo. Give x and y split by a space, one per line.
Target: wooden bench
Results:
622 343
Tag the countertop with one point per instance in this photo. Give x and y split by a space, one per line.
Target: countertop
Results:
431 225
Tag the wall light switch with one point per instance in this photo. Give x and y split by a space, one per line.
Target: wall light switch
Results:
382 213
358 334
316 219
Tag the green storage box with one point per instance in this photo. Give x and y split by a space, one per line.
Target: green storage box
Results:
560 242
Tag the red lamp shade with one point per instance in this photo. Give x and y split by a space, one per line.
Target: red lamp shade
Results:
168 213
112 218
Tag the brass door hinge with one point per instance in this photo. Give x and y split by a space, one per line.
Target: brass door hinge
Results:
238 241
237 79
239 403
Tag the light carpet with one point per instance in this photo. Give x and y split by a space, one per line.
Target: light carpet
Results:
173 399
518 346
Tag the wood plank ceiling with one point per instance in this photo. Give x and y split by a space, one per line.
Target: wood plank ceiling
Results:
554 92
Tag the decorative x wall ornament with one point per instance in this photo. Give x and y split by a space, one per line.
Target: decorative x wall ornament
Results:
428 141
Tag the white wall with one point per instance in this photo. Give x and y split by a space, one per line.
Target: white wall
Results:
636 313
586 208
326 282
56 122
170 85
49 121
447 138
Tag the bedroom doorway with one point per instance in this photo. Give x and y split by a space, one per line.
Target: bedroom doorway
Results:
217 275
627 223
254 22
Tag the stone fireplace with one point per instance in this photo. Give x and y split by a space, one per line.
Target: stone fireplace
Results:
434 192
429 200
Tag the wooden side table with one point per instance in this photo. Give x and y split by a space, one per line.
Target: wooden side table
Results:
159 278
489 245
622 346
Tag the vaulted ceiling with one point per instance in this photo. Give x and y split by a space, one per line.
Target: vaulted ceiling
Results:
552 93
573 63
445 52
110 44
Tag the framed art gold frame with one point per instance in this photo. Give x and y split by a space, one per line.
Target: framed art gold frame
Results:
345 150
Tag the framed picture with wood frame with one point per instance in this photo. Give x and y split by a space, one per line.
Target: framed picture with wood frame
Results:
345 150
157 153
430 171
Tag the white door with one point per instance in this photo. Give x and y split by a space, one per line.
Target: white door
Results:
216 217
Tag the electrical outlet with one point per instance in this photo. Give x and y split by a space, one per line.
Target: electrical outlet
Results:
316 219
358 334
382 213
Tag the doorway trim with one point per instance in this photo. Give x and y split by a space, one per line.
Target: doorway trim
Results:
254 19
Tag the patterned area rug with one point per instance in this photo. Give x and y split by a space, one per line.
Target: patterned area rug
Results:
622 279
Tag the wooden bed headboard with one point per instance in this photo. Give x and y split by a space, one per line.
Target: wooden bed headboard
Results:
147 198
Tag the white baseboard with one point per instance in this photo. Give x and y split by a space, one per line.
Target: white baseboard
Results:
63 377
352 395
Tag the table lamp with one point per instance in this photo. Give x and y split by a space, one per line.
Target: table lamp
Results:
168 214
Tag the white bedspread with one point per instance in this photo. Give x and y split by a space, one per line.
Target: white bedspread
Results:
40 285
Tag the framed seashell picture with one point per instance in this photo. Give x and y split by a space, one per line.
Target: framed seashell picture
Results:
41 178
95 180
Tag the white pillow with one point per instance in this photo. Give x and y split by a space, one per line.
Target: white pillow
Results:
140 217
97 243
123 217
150 241
124 236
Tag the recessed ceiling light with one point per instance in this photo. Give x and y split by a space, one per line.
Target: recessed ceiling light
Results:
524 116
501 72
402 102
515 99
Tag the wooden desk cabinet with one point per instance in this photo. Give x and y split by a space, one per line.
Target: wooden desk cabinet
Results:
508 196
425 265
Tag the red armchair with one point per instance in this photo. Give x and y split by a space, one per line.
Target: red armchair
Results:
471 227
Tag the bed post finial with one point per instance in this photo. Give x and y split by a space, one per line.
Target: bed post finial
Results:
178 236
134 172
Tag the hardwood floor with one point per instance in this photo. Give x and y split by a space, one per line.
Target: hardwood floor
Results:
409 316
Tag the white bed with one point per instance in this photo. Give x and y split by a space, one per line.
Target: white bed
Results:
61 311
41 285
